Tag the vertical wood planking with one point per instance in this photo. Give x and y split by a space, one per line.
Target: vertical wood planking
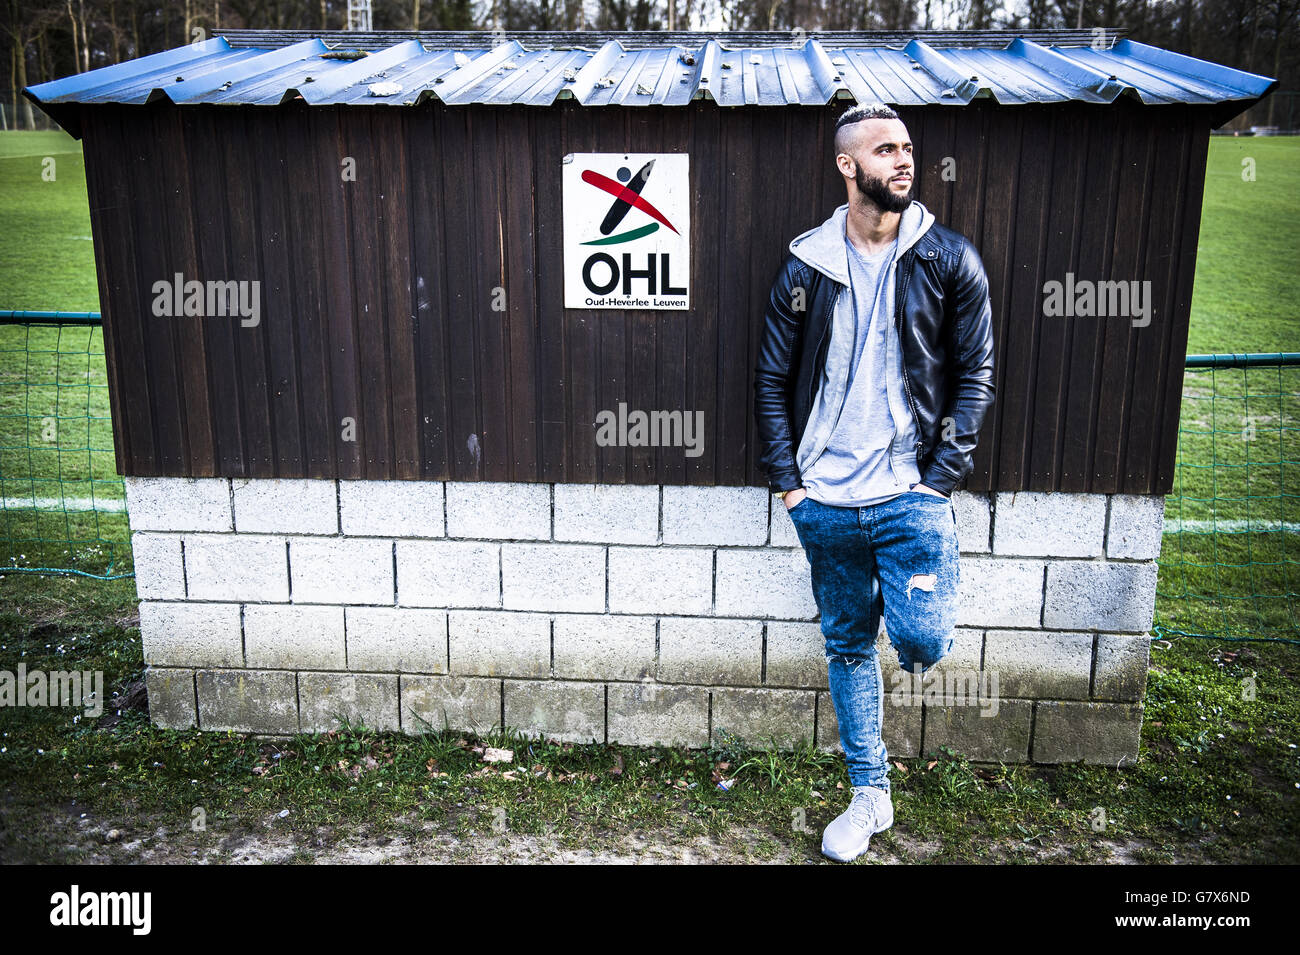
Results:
378 294
397 299
556 454
369 325
1198 141
521 334
1115 382
268 174
427 205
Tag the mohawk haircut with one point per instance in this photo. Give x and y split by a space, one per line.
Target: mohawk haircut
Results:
856 115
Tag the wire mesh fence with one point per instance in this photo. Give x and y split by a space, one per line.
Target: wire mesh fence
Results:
62 504
1231 551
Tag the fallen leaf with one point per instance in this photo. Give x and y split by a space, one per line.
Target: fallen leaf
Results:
931 764
492 755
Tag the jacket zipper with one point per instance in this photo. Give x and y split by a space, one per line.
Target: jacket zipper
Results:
812 385
898 325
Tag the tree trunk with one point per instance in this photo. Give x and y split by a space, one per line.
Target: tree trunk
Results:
24 105
76 51
85 37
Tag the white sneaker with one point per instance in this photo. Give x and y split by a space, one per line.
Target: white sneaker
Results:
849 833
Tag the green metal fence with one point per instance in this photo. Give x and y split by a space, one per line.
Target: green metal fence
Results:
62 506
1228 566
1230 560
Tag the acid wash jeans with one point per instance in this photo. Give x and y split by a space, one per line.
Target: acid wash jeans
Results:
898 558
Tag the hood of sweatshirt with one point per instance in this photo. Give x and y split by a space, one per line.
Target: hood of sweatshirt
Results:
823 248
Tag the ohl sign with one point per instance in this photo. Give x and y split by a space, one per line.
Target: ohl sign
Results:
627 227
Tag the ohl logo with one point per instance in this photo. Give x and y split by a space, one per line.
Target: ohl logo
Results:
650 271
625 197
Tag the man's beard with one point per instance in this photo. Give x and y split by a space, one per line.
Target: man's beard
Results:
877 190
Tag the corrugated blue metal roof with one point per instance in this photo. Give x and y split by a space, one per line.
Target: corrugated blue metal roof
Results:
733 69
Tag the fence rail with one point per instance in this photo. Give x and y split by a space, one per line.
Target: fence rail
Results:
1228 565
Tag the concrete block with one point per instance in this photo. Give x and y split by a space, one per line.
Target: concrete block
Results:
448 574
562 577
900 725
761 583
991 731
286 505
652 714
1136 527
607 513
159 566
341 570
367 698
1102 733
781 529
716 516
974 520
432 704
763 718
710 651
559 710
796 655
1049 524
396 639
178 504
499 643
1090 595
294 637
1120 671
1040 664
604 647
499 510
959 673
998 592
191 634
675 580
391 508
171 698
236 567
248 701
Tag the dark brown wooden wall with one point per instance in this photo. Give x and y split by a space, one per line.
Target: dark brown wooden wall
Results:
377 294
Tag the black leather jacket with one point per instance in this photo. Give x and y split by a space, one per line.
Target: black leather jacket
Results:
944 321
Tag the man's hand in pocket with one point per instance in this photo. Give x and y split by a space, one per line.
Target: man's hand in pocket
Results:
928 490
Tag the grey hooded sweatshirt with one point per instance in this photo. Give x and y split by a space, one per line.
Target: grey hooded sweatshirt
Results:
859 445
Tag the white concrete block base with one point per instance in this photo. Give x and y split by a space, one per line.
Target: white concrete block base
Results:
638 614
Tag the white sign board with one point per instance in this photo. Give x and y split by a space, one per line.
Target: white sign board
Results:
627 228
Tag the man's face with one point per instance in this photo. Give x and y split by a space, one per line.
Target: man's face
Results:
882 160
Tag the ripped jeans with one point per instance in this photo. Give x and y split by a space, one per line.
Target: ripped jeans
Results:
897 559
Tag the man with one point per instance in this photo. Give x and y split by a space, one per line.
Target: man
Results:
875 371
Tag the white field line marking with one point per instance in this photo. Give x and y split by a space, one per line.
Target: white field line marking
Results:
1172 526
111 505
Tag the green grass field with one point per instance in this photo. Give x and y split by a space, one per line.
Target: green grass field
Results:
1239 441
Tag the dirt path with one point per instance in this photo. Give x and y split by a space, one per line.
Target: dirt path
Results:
65 836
